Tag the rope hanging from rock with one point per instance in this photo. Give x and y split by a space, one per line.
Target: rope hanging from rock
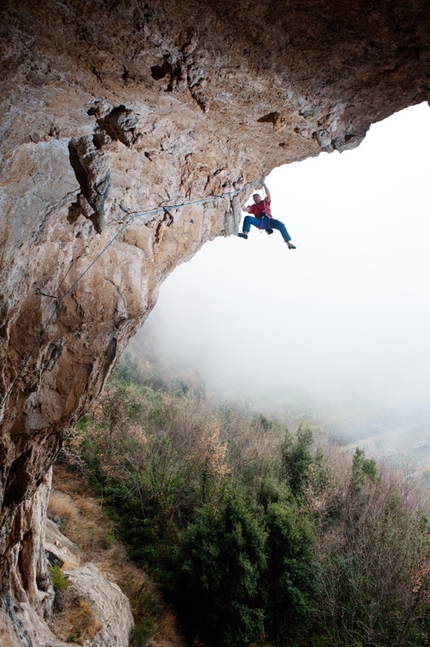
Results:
132 216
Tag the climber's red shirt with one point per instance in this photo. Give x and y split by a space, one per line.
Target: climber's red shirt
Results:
259 209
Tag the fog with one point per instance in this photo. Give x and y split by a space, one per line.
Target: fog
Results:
339 328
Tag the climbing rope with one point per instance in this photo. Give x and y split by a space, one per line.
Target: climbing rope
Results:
132 216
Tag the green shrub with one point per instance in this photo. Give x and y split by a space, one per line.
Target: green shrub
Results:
59 581
142 631
109 539
363 469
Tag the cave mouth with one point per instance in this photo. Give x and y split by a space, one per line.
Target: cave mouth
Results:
342 324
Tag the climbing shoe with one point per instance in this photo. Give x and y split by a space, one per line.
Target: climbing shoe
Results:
245 236
269 231
291 246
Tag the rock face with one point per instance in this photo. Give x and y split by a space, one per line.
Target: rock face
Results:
110 108
110 606
106 606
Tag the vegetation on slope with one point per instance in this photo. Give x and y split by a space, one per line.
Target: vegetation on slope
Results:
256 535
83 517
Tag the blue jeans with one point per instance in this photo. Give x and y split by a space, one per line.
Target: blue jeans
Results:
265 223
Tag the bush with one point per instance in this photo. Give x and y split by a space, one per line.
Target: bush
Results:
59 580
142 632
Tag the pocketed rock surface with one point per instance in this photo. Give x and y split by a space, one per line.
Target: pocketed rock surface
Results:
111 108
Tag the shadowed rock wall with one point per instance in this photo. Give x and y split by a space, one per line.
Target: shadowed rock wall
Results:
150 104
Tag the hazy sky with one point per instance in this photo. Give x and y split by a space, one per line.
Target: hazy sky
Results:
344 317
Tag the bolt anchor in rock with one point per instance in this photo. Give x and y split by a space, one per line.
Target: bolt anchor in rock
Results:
39 292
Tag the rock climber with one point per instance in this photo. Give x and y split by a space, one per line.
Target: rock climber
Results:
262 218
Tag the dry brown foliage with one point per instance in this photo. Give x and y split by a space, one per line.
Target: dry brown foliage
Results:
82 519
77 622
62 506
374 562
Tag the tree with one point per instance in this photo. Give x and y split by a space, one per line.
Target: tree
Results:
221 561
289 581
296 456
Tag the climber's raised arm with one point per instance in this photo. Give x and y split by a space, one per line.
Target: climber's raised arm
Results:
268 196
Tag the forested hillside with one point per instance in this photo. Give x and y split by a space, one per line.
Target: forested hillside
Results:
255 533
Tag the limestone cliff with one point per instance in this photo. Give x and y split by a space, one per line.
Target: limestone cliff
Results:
149 105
